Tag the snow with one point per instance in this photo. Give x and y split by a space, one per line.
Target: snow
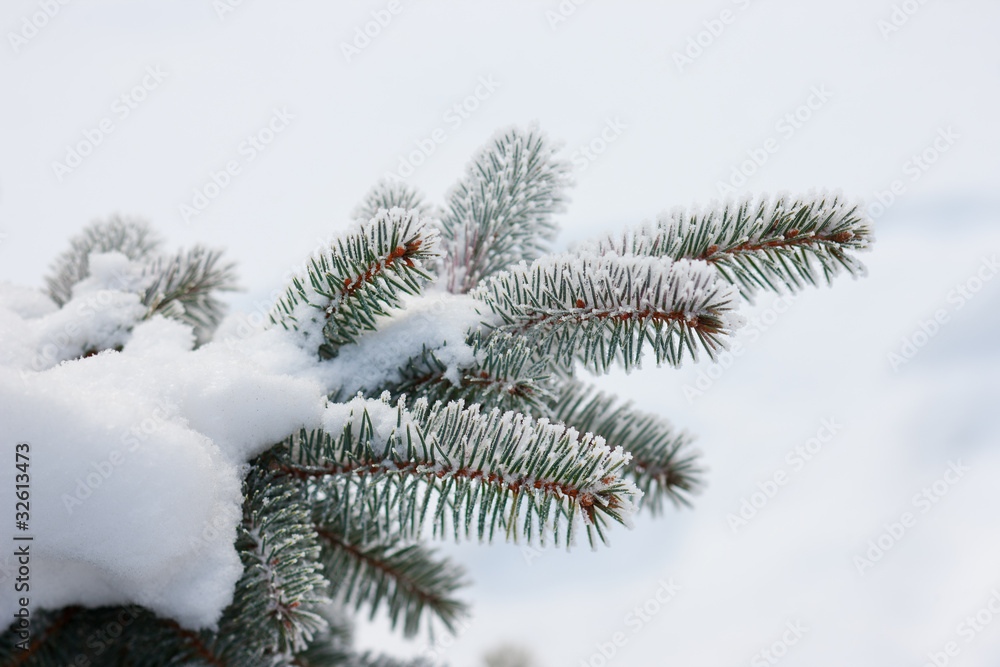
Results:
436 320
387 421
137 456
97 316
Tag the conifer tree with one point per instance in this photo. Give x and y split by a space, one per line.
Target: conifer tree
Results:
454 346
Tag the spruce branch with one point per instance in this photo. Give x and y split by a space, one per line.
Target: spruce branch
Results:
142 640
506 374
133 238
158 642
358 277
169 645
501 211
322 657
482 433
487 470
281 582
602 309
332 648
57 637
183 287
367 566
662 465
758 243
390 194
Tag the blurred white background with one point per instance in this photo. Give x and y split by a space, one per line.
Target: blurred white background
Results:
903 94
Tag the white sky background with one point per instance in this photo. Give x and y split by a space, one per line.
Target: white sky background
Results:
825 357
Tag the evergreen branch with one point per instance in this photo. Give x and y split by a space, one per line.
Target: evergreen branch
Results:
158 642
75 634
281 582
662 465
487 470
325 657
501 211
603 309
365 567
390 194
133 238
197 648
506 375
272 613
758 243
183 287
331 647
357 278
60 639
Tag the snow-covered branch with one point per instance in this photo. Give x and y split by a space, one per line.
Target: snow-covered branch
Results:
133 238
357 277
487 470
758 243
662 465
600 309
503 372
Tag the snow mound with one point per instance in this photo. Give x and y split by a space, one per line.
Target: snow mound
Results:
136 458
